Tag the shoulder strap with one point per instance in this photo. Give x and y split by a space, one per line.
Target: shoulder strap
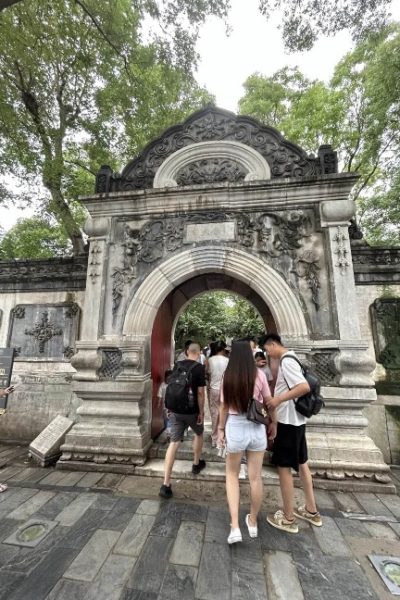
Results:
190 368
298 362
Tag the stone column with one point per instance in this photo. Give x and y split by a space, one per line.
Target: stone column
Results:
338 441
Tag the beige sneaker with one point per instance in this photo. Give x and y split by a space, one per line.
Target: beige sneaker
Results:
279 521
302 513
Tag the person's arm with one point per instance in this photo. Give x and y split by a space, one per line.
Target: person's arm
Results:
8 390
273 422
295 392
200 400
223 414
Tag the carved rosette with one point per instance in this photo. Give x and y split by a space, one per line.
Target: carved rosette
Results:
43 331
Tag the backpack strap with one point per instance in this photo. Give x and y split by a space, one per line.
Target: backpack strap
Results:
187 369
298 362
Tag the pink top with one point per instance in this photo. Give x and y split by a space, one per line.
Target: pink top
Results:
261 390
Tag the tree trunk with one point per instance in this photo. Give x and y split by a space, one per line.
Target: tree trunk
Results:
62 213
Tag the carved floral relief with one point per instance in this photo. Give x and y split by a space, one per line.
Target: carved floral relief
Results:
275 236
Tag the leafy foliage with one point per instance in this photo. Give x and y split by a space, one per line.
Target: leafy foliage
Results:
33 238
217 315
358 112
305 20
82 84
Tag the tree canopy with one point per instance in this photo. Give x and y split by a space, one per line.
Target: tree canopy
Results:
303 21
38 237
217 315
83 83
358 112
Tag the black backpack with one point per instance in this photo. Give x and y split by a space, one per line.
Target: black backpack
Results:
310 404
179 396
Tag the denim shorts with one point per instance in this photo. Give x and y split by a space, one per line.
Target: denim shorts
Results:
242 434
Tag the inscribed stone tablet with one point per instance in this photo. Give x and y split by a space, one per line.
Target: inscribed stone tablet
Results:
48 442
202 232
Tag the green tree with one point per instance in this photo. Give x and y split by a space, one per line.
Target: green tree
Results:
358 112
217 315
79 87
33 238
303 21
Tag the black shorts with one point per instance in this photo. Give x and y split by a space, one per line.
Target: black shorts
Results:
290 446
178 424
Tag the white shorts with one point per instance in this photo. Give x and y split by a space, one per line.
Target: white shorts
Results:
242 435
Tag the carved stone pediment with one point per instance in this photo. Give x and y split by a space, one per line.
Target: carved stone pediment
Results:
284 158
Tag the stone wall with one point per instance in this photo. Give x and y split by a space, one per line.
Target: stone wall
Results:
42 370
384 414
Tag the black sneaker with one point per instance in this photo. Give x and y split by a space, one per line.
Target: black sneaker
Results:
197 468
165 491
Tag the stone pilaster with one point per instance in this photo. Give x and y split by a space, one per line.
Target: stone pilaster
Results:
114 419
339 446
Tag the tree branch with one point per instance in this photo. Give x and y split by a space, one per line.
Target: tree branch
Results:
79 164
101 31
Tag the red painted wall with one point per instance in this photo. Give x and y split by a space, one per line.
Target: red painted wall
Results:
160 360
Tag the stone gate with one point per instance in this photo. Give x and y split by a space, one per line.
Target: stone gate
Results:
219 202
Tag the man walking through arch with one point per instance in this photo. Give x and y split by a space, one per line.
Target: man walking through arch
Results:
191 415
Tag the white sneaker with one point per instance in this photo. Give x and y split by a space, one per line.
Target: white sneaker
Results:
235 536
253 529
243 471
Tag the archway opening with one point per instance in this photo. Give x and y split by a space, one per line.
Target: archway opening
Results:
170 330
216 315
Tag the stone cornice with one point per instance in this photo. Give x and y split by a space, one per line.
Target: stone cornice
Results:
51 274
255 195
375 265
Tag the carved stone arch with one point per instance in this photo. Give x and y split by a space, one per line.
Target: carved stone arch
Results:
263 279
285 158
253 164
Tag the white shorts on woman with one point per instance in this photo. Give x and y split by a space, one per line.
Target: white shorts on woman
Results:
242 435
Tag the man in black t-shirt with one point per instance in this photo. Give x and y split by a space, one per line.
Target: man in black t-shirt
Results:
179 422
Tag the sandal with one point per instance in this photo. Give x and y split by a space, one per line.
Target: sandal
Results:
3 487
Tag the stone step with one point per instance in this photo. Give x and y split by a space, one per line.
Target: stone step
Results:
185 451
214 471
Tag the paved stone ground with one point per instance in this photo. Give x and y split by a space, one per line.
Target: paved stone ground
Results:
110 537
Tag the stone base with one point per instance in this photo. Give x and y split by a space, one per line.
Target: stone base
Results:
44 461
339 456
75 465
103 458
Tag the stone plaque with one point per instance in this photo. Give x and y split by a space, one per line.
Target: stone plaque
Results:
223 232
385 318
45 331
6 365
46 447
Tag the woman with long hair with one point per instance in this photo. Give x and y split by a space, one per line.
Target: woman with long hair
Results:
243 381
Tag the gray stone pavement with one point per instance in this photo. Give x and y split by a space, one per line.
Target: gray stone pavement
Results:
94 536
